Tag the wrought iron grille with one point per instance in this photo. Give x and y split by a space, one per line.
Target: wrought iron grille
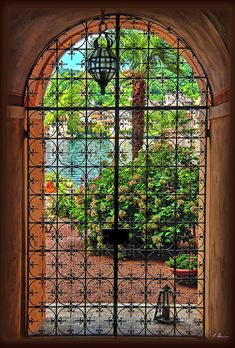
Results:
116 186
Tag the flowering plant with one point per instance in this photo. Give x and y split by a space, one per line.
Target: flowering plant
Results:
183 261
50 185
146 211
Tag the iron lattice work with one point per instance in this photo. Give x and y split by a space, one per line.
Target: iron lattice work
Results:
129 163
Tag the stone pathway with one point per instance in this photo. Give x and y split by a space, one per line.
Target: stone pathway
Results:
99 321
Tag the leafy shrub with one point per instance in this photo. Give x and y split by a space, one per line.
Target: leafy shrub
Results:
157 219
183 261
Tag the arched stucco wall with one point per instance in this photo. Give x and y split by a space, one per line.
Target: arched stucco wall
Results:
45 63
34 29
29 31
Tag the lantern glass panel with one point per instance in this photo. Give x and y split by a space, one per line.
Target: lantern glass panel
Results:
102 64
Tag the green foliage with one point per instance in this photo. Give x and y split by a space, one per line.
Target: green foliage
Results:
49 120
133 56
158 219
154 215
65 204
99 129
74 124
183 261
159 122
70 92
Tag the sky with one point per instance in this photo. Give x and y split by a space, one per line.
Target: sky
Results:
73 60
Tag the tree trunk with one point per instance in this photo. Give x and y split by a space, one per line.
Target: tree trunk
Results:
138 99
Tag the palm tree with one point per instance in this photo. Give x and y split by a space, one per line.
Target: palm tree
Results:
67 94
133 57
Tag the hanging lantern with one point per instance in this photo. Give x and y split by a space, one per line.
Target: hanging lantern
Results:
102 63
163 313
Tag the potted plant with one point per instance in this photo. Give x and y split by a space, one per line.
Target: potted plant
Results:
183 265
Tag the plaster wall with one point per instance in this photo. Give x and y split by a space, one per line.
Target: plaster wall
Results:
219 277
36 27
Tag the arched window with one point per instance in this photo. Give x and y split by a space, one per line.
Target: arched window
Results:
117 185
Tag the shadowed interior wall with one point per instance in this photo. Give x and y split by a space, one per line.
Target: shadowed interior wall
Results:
218 232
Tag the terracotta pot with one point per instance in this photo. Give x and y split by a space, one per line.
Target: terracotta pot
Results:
50 189
181 273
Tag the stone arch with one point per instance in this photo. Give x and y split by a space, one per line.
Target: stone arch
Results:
204 40
44 67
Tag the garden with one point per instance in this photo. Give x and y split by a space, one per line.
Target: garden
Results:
147 199
158 182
